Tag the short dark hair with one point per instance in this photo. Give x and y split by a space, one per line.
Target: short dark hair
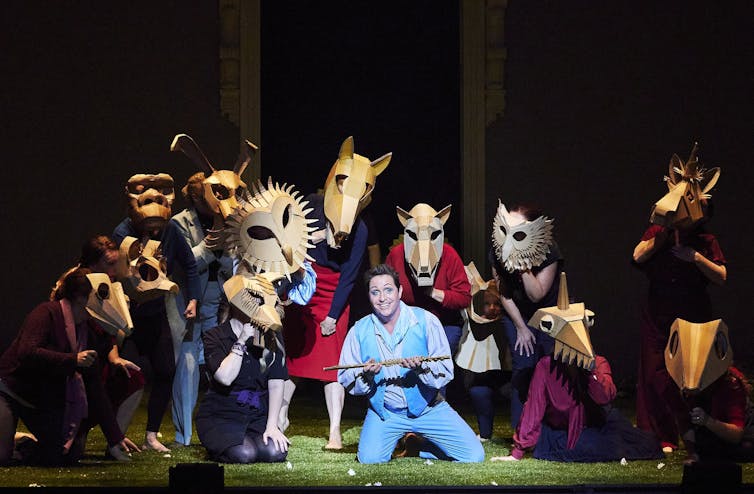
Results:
194 186
379 270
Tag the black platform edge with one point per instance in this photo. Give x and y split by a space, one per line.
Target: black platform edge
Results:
585 489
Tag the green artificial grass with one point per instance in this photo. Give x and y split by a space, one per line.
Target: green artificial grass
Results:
310 465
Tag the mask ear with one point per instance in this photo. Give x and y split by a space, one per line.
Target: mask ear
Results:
403 216
381 163
710 179
675 170
187 146
444 214
346 149
248 150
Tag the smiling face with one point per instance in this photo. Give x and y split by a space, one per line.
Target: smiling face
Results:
385 297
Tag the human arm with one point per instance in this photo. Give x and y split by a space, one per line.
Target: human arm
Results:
654 238
302 289
716 273
230 365
349 270
272 432
120 363
728 432
37 347
537 285
358 380
601 387
436 373
525 338
177 249
456 292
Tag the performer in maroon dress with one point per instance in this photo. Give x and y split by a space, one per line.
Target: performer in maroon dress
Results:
680 259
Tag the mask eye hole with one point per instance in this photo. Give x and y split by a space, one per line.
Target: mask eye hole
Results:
673 344
689 196
259 232
589 318
286 216
721 345
220 192
167 191
547 323
502 230
412 235
435 234
103 291
519 236
147 272
241 193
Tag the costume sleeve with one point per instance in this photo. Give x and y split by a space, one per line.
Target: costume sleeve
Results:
214 349
438 373
179 247
202 254
458 291
530 424
713 252
302 289
353 379
651 232
729 403
601 387
278 369
35 338
349 270
122 231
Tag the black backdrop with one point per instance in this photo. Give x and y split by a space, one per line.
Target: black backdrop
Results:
598 98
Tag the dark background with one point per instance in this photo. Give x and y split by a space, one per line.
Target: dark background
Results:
599 95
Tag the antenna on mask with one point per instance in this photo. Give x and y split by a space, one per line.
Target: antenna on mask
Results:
563 302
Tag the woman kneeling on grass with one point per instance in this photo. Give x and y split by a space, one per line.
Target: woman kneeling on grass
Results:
237 420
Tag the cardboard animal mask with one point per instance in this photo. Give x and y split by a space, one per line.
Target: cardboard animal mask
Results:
569 324
478 350
271 232
697 354
519 246
142 270
108 304
348 190
423 240
150 199
222 188
255 296
688 186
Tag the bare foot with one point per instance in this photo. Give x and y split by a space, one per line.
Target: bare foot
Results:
335 441
151 442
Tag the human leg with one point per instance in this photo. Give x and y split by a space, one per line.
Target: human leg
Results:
335 395
163 364
8 424
522 367
379 437
289 387
484 408
185 388
449 433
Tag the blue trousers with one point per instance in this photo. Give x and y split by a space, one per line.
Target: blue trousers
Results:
522 367
190 356
448 435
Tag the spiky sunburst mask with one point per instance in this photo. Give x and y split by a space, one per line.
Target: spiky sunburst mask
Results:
271 232
520 246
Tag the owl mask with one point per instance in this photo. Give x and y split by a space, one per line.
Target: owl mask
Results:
223 189
142 270
569 324
108 305
519 246
423 240
688 186
348 190
150 199
697 354
255 296
271 232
